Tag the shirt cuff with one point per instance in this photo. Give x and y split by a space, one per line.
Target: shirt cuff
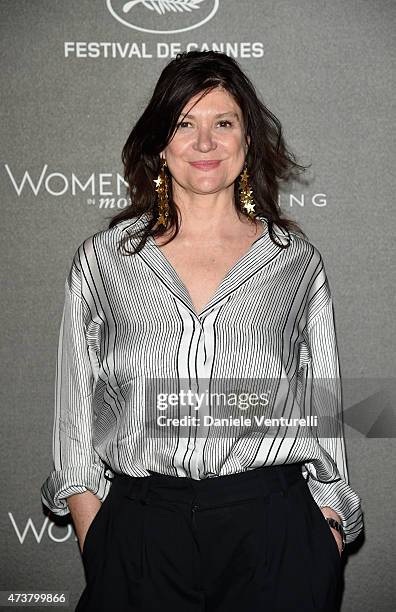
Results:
60 484
342 499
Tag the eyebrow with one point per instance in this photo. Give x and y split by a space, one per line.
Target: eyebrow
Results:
217 116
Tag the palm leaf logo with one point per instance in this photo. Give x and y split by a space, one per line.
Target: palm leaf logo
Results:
161 6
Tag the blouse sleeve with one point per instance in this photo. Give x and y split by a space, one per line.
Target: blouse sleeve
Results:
77 466
328 478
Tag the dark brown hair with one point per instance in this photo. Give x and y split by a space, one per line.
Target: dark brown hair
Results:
268 159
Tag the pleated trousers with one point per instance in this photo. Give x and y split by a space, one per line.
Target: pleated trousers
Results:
254 541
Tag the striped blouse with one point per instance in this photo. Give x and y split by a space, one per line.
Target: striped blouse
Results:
144 382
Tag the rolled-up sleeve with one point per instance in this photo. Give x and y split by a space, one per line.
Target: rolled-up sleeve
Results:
77 466
328 478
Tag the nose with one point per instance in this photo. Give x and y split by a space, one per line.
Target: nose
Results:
205 140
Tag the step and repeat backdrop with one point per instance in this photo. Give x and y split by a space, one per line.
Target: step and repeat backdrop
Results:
76 75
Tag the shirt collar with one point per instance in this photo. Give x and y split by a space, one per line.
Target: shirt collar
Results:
262 251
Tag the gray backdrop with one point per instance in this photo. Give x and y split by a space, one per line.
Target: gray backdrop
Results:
70 98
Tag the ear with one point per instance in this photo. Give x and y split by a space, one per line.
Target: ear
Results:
248 140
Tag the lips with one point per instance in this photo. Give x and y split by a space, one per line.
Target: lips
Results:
206 165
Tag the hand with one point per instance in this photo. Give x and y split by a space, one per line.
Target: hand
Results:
82 539
330 513
82 542
338 538
83 507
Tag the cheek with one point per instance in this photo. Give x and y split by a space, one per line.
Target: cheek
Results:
234 145
178 151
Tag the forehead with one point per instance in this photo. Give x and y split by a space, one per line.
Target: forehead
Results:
215 101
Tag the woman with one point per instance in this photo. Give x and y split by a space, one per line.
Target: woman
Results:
200 287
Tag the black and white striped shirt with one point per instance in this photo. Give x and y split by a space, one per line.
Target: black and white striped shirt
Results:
129 326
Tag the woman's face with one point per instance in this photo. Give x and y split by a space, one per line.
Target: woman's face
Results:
213 130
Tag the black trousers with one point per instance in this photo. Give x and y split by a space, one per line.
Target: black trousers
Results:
254 541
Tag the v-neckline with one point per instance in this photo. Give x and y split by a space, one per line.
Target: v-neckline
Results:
227 275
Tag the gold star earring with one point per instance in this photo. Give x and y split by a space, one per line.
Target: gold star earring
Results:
162 199
246 193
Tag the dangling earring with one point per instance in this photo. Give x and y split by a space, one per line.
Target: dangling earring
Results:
246 193
162 199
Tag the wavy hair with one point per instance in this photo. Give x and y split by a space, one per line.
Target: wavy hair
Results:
268 159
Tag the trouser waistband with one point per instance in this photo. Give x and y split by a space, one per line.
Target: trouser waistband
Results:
209 492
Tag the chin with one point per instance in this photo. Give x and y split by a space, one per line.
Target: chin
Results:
208 187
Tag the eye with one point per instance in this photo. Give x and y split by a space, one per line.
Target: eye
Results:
222 121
